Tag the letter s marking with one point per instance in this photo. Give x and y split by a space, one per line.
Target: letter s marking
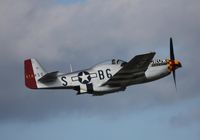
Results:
64 81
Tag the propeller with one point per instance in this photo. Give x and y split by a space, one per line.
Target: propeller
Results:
172 57
173 63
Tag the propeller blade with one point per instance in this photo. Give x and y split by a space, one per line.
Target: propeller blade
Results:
172 57
174 76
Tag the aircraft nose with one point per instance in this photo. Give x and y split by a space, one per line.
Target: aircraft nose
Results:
178 64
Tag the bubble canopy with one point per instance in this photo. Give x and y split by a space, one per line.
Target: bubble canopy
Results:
113 62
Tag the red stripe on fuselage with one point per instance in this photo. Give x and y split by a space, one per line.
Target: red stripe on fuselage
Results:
29 75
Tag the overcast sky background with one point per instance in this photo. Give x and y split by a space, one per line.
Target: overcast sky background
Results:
83 33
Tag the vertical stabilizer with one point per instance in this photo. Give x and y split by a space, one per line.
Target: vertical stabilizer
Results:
33 71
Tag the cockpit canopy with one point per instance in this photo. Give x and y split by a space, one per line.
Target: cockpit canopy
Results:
118 61
112 62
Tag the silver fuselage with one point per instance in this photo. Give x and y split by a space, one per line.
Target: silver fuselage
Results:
101 73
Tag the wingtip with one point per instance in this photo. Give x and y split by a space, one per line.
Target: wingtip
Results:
152 53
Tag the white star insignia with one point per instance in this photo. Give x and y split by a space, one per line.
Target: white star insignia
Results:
84 77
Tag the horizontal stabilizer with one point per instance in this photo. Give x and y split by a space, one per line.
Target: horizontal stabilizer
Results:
49 77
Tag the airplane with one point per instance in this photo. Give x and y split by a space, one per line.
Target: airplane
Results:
103 78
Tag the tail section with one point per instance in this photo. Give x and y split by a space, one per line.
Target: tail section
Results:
33 72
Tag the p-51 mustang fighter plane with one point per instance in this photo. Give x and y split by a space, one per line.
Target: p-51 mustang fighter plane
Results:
103 78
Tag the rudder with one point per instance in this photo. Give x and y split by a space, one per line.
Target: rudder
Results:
33 71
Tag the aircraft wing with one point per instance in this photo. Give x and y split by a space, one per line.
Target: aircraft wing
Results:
135 68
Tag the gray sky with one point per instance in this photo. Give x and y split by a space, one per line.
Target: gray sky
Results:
84 33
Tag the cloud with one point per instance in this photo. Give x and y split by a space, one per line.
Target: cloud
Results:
58 35
184 119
